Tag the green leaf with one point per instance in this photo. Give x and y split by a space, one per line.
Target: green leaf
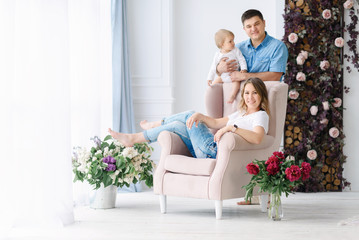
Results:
108 137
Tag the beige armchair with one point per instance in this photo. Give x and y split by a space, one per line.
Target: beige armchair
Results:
179 174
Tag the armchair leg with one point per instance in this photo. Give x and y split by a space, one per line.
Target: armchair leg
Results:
218 205
163 203
263 201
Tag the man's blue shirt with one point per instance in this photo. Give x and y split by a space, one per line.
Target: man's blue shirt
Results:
269 56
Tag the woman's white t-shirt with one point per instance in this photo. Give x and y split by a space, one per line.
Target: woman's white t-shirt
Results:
250 121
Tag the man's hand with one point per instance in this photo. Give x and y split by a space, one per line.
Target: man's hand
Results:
224 66
237 76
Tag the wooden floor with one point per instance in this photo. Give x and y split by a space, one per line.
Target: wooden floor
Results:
137 216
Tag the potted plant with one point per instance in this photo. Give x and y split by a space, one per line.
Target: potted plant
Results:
109 165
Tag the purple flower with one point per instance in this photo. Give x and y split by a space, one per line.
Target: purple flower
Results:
97 141
109 159
111 167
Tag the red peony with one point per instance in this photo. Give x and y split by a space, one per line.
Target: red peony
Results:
305 170
279 155
252 169
293 173
272 159
273 167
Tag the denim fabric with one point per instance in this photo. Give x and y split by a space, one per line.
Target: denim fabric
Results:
199 140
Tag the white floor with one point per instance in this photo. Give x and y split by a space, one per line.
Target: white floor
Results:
137 216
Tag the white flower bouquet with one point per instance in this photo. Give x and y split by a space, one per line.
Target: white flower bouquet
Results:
111 163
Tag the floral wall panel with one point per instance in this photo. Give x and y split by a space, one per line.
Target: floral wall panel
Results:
314 121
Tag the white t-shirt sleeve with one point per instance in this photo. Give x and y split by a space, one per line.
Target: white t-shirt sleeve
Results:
213 71
261 119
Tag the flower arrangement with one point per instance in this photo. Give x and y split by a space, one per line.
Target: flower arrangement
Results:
110 163
276 175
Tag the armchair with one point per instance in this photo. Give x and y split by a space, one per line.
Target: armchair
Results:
179 174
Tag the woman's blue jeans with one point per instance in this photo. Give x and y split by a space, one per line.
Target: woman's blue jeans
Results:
199 140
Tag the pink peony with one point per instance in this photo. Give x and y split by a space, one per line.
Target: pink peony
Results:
324 65
312 154
324 121
325 105
337 102
305 170
293 173
272 159
293 94
300 59
314 110
252 169
348 4
293 38
304 54
334 132
327 14
339 42
300 77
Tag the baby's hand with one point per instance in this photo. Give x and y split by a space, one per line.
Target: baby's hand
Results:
209 82
243 71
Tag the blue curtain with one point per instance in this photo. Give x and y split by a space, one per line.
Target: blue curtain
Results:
123 117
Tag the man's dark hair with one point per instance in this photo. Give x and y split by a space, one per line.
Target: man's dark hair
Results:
251 13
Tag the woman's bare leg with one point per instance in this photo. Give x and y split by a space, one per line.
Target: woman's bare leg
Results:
127 139
148 125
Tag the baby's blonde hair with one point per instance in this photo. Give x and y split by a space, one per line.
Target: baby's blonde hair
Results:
220 35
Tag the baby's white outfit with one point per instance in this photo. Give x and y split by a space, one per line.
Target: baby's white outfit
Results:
233 54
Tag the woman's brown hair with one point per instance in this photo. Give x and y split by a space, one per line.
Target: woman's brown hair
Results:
261 89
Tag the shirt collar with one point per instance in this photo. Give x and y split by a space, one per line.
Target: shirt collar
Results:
264 43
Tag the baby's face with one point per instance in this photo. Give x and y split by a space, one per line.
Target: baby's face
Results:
228 44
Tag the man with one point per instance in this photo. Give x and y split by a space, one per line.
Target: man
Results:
266 59
266 56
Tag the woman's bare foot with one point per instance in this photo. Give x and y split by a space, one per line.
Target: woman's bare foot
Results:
145 125
123 138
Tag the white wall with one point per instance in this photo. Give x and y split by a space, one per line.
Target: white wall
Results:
351 119
187 56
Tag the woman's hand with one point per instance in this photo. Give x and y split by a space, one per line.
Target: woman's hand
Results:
220 132
195 118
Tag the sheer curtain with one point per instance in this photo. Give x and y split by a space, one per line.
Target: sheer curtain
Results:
35 101
55 93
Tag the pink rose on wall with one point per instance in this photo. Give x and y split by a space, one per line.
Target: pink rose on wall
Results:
324 65
300 77
293 38
348 4
313 110
324 121
325 105
304 54
327 14
312 154
339 42
300 59
337 102
293 94
334 132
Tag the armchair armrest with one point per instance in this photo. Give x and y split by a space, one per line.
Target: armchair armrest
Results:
172 144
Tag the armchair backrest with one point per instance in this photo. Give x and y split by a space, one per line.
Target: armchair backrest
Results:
217 106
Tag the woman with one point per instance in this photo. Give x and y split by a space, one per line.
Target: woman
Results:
250 122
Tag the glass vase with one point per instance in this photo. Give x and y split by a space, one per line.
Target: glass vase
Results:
275 211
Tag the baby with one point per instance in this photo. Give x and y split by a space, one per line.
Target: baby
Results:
225 42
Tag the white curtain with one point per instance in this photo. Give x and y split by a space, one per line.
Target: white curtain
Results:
55 93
